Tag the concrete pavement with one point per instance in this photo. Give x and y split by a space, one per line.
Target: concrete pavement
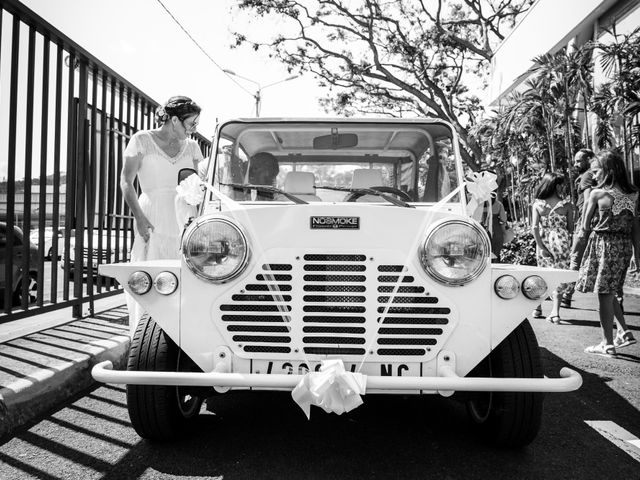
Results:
41 368
45 361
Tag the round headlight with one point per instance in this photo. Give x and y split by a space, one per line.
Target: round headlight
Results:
534 287
507 287
215 249
139 282
165 283
455 252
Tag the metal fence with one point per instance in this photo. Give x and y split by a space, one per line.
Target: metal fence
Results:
65 118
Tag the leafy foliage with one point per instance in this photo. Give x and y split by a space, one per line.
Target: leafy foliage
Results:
522 249
618 101
392 57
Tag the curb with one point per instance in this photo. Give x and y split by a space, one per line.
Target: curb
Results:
43 370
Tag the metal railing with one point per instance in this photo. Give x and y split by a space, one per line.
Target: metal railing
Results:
67 121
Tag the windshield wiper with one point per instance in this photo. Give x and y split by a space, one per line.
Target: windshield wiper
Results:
371 191
266 188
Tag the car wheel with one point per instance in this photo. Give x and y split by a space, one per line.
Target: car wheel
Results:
32 290
510 418
159 412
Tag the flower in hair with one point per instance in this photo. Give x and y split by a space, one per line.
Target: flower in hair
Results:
161 113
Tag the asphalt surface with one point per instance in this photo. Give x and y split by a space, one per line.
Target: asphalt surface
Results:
265 435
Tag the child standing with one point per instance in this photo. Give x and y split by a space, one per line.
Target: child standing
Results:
552 221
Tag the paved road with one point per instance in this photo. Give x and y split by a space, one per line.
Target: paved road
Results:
588 434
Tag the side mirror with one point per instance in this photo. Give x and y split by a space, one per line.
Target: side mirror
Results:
185 173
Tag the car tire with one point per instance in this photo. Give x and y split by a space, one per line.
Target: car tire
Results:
159 412
32 290
510 419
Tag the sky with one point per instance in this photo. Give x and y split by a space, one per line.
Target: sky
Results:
140 41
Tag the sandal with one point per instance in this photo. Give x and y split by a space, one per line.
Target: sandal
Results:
537 312
602 350
555 319
624 339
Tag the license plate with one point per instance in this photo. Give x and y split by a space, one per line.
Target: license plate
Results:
301 368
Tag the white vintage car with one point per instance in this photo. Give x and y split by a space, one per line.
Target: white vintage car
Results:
357 270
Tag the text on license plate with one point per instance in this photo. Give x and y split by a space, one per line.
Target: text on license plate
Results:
302 368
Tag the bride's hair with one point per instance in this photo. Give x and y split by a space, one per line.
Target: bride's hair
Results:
179 106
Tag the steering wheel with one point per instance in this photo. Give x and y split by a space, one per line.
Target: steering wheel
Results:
353 196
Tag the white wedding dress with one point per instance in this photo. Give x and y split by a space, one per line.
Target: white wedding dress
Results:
158 178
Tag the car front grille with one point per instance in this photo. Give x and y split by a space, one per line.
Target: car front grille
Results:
335 304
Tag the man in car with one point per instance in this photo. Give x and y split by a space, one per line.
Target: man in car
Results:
263 170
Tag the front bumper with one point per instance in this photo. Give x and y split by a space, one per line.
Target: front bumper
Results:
449 381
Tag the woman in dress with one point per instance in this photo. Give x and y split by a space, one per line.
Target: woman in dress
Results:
552 227
155 157
611 242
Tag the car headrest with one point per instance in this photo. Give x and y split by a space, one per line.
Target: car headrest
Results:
298 183
366 177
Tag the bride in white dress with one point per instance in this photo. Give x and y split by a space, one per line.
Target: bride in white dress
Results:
155 157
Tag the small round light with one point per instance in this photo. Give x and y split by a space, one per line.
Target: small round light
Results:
165 283
139 282
534 287
507 287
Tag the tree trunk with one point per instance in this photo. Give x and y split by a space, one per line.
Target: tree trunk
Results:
552 150
568 142
586 122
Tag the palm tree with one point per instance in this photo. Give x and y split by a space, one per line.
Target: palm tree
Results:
620 97
567 77
536 109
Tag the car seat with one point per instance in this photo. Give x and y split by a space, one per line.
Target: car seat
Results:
367 178
302 185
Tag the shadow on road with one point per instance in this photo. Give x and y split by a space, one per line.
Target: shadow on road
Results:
265 435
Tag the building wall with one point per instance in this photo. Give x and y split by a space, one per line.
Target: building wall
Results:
548 26
35 205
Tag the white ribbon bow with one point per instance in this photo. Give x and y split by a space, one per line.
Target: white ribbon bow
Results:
191 189
189 195
480 185
332 388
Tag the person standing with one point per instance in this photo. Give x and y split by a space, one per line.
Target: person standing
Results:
583 184
498 225
611 243
155 157
552 225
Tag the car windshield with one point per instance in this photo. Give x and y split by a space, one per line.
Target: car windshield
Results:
336 161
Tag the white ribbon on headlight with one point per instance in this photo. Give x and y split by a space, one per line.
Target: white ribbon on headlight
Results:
332 388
